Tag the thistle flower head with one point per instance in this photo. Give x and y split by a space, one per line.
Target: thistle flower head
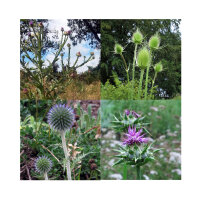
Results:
118 49
134 137
60 117
136 115
143 58
62 29
158 67
137 37
43 164
154 42
67 32
31 23
78 54
127 112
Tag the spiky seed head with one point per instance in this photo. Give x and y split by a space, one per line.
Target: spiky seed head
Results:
137 37
118 49
158 67
143 58
154 42
43 164
60 117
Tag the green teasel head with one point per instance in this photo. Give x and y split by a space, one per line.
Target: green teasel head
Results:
137 37
154 42
158 67
118 49
143 58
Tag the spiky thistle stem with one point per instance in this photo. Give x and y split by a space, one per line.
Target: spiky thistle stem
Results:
140 84
147 76
66 155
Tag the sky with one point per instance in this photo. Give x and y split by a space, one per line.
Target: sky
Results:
83 47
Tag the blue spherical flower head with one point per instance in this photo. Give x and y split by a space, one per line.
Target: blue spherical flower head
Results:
60 117
134 137
43 164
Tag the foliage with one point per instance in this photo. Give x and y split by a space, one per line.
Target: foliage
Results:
85 30
121 31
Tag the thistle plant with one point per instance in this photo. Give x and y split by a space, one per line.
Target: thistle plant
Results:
134 150
42 74
143 59
43 165
60 119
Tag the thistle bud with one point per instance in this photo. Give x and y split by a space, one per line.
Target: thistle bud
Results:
93 166
61 54
65 32
143 58
118 49
137 37
62 29
91 161
91 53
154 42
40 24
158 67
93 57
68 45
31 23
78 54
43 164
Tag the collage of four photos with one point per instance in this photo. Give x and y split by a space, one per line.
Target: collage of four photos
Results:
100 99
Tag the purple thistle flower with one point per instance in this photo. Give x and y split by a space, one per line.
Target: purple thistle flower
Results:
127 112
134 137
31 23
135 114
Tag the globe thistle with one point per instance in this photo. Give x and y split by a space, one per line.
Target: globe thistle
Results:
143 58
43 164
118 49
158 67
137 37
60 117
154 42
134 137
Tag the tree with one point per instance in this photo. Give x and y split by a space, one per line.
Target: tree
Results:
121 31
85 29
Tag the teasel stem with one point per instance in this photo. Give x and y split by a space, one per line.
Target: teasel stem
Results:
147 76
66 155
140 84
46 176
125 172
134 59
138 172
126 67
153 83
68 60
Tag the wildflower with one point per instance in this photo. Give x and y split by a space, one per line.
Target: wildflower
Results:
134 137
135 114
127 112
143 58
118 49
137 37
62 29
43 164
78 54
31 23
60 117
154 42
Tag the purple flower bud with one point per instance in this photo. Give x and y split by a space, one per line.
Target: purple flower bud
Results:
127 112
31 23
78 54
62 29
135 114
